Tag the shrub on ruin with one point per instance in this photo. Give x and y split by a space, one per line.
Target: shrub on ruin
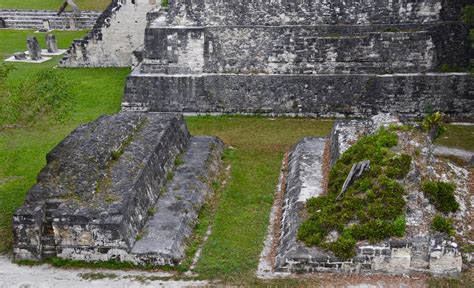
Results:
443 225
433 124
441 195
373 206
46 96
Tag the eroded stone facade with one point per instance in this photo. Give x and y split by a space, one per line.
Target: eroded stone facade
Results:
303 57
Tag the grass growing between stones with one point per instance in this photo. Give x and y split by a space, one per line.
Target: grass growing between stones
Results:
97 5
242 215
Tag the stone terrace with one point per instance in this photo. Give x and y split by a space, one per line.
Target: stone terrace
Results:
302 57
33 19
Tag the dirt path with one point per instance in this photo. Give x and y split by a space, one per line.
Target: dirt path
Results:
12 275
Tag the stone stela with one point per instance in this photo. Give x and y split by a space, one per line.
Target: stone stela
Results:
51 44
34 48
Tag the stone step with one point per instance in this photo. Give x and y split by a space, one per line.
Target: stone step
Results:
164 239
324 95
16 19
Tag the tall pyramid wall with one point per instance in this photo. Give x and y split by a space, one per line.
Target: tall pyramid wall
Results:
321 58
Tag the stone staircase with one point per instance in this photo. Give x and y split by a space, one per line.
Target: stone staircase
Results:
116 34
33 19
307 58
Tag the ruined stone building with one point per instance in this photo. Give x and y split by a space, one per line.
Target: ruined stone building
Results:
323 58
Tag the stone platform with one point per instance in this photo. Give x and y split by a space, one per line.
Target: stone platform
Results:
101 184
306 95
420 250
312 58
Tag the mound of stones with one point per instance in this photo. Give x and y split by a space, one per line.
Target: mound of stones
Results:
127 187
420 250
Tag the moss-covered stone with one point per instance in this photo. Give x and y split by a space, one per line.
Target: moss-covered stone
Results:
373 206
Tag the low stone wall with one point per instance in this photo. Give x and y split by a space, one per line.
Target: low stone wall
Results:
314 95
116 34
429 253
33 19
271 12
98 185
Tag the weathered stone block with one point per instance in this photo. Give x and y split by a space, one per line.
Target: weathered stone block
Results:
165 235
100 182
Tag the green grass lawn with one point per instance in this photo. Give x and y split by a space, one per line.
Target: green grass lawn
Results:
242 215
15 41
459 136
97 5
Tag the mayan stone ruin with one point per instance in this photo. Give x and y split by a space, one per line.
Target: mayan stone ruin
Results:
418 250
107 193
302 57
130 187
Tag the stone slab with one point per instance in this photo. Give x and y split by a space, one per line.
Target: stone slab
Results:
176 212
28 60
45 52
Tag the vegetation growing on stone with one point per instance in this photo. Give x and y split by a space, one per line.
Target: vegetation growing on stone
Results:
443 225
433 124
441 195
373 206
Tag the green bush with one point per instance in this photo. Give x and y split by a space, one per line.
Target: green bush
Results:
45 96
164 3
373 202
398 167
441 195
443 225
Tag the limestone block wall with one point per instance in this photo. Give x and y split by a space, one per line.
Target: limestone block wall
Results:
33 19
307 12
316 95
319 58
304 49
98 186
117 33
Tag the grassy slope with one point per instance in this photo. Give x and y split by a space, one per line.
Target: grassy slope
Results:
97 5
242 215
22 151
